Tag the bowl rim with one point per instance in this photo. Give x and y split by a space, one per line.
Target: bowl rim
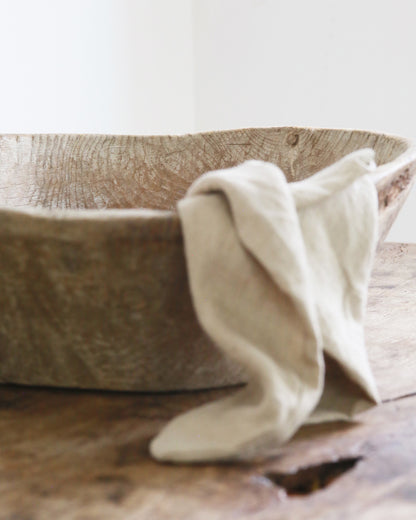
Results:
381 177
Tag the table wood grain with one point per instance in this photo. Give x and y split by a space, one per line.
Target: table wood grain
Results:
83 455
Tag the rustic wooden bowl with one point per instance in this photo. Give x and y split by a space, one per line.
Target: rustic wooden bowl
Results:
93 283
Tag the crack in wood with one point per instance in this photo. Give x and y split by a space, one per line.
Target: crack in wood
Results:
404 396
306 480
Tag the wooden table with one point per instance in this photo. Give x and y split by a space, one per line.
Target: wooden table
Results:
83 455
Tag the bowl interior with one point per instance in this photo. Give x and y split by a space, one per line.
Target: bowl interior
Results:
102 171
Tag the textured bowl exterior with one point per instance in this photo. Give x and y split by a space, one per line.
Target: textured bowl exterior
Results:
93 289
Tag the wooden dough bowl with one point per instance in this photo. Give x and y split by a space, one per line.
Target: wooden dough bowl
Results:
93 283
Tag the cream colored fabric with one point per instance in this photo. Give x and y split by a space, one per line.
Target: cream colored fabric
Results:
278 274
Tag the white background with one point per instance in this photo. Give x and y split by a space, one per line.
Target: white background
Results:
105 66
177 66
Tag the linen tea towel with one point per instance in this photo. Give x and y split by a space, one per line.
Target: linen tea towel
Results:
278 275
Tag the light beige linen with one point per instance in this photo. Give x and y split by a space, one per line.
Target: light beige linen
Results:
278 274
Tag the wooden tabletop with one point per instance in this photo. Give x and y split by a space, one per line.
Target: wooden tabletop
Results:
84 455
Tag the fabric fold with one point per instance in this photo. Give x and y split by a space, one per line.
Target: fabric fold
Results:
278 275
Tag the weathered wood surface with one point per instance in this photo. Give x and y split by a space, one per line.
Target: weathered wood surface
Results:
73 455
391 320
92 296
114 171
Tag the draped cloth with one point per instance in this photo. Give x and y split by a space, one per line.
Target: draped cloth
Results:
279 276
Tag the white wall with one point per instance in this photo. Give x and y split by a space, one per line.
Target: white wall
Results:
105 66
308 62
